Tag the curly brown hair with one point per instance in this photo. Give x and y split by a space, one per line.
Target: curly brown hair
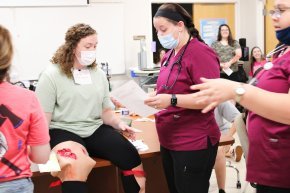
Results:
6 52
64 56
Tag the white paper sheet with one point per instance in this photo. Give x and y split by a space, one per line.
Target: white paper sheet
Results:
51 165
132 97
139 145
228 71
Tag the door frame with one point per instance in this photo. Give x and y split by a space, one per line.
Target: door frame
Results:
236 2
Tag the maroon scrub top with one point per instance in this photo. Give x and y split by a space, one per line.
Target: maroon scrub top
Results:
183 129
269 150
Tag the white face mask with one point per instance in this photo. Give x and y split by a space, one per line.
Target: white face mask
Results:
87 57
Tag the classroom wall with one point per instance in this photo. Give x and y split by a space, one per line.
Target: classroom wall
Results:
249 23
37 35
252 22
137 21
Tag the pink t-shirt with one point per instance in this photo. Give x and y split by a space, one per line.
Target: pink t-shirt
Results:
269 149
183 129
22 123
256 66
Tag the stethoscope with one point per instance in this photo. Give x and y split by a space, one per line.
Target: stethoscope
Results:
178 63
268 64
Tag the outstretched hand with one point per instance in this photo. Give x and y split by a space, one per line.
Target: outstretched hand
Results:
128 131
159 101
213 92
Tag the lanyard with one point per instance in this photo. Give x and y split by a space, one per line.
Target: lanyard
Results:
270 54
178 63
268 65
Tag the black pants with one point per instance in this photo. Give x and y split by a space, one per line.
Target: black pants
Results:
105 143
269 189
232 77
189 171
238 76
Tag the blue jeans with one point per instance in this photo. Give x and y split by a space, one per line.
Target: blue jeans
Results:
23 185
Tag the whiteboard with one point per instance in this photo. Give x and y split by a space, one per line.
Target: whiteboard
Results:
21 3
38 32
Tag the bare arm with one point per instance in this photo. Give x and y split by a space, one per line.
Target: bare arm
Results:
48 117
162 101
186 101
232 130
40 153
238 55
273 106
110 118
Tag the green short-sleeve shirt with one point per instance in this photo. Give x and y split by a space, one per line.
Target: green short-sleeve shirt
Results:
226 52
75 108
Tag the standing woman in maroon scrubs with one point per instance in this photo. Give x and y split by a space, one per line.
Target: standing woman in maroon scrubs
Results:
188 138
268 162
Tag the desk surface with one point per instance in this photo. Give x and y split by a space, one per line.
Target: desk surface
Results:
150 138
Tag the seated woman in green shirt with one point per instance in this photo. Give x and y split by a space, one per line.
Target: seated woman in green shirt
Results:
74 94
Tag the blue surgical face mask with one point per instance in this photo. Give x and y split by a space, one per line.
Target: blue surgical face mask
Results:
284 36
168 41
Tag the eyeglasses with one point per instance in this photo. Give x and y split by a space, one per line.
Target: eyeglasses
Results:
278 12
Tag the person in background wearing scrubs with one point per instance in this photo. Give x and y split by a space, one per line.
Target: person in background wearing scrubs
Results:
188 138
74 93
269 105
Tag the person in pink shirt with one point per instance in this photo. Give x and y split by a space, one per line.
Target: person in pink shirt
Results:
23 128
268 101
188 138
257 61
161 53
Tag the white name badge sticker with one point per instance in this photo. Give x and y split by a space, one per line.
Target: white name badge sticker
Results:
82 76
268 65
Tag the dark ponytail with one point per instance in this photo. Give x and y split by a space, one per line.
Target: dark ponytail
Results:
194 32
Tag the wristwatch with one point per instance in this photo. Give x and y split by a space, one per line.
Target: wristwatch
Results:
240 91
173 100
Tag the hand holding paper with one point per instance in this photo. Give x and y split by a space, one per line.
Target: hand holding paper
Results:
132 97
